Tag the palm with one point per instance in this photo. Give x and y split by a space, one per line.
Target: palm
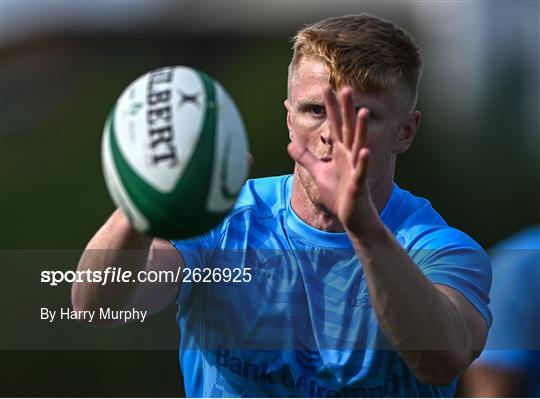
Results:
342 181
335 180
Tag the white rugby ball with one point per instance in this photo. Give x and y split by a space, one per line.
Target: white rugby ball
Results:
174 153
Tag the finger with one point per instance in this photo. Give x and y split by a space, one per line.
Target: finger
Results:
360 133
348 115
361 169
333 114
303 156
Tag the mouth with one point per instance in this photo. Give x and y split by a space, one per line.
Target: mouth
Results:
326 158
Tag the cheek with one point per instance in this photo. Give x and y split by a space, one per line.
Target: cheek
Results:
305 128
375 138
380 137
306 123
379 142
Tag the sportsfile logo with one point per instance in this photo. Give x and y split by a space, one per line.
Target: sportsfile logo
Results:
300 385
111 274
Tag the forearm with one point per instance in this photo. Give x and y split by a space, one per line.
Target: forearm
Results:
115 244
420 322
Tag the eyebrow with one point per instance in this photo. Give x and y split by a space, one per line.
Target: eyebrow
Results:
306 103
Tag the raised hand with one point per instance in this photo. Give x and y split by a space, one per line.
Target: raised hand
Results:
342 180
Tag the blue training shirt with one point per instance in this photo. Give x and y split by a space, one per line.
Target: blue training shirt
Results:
514 340
303 324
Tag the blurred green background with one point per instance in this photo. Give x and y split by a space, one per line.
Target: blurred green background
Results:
476 156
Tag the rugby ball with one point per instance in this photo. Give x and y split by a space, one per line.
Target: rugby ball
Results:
174 153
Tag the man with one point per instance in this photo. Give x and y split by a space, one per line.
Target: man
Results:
356 287
510 364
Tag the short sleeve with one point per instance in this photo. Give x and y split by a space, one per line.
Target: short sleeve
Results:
449 257
195 252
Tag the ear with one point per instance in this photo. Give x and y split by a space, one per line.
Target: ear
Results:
407 132
289 126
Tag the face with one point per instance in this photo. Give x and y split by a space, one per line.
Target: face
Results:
391 126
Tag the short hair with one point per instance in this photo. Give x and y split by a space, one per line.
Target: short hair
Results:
363 51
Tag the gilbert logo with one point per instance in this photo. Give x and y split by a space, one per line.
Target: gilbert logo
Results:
159 118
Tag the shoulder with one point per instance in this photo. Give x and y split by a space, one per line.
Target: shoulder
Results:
418 225
446 255
256 208
264 196
259 201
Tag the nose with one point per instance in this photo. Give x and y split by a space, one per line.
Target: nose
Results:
325 137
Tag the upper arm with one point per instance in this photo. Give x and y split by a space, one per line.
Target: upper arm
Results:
461 271
165 263
450 258
475 325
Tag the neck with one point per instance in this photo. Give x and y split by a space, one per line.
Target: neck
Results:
319 217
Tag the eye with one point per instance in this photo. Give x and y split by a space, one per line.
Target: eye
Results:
313 109
317 110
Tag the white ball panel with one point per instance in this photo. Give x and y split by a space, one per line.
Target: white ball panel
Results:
230 167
